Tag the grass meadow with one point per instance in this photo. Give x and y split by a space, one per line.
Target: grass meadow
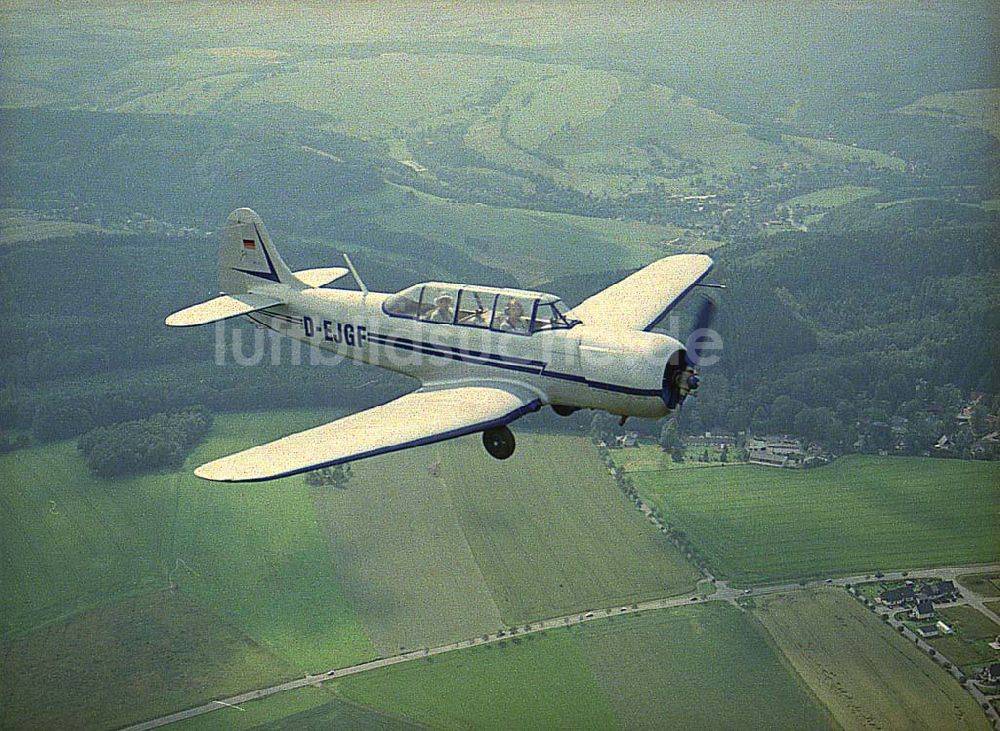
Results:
552 534
706 666
303 709
255 584
461 545
140 657
533 682
982 584
860 668
531 245
969 647
758 524
976 108
837 151
276 580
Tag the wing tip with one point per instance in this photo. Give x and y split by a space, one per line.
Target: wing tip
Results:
208 471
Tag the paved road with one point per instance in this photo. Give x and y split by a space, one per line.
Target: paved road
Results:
723 592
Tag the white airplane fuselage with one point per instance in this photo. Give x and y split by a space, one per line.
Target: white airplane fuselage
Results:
621 372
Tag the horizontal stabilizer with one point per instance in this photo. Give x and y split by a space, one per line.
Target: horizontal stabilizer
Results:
221 308
319 277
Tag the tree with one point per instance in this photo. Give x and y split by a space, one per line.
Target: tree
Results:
132 447
819 425
670 438
337 476
783 413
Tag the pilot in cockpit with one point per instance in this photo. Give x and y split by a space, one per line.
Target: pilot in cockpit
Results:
512 316
442 311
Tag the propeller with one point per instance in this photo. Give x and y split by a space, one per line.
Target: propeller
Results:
681 379
702 322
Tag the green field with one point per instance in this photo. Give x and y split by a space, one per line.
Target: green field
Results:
863 671
838 151
577 126
982 584
251 566
304 708
556 535
707 666
969 647
294 579
140 657
759 524
535 682
399 551
484 543
566 100
257 555
558 243
976 108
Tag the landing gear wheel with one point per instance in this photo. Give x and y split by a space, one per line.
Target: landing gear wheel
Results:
499 442
564 410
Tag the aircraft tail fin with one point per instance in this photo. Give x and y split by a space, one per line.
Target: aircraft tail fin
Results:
247 257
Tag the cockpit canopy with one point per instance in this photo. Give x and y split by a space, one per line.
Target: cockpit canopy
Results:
503 310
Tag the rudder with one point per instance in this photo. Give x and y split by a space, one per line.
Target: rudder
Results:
247 258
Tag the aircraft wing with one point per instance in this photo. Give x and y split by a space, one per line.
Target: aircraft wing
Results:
421 417
641 300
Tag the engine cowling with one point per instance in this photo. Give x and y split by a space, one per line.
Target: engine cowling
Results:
639 365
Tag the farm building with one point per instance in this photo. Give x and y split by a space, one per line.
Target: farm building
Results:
760 456
927 631
774 451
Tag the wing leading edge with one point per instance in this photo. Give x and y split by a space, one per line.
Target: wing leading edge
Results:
642 299
421 417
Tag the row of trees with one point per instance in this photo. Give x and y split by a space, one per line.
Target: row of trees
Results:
162 440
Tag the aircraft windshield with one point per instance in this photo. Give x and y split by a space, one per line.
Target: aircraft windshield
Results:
405 303
552 316
507 311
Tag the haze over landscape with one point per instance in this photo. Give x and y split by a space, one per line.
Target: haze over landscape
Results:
732 567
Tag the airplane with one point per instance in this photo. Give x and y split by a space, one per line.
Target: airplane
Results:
485 356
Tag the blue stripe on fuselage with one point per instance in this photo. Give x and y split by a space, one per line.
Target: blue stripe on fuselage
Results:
506 362
510 363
